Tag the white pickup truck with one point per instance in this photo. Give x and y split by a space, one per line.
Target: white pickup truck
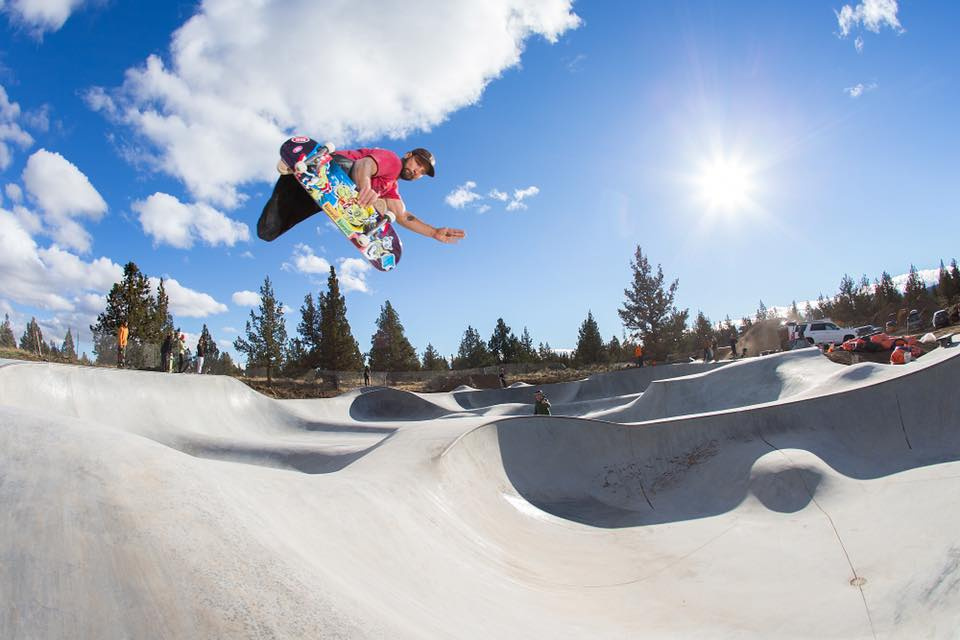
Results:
821 332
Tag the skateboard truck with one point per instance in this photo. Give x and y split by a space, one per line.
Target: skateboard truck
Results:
314 159
363 239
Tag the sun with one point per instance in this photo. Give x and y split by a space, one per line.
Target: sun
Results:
725 185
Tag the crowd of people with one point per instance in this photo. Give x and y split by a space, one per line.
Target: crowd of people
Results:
173 350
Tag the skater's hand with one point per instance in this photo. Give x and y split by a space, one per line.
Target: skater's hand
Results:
445 234
367 197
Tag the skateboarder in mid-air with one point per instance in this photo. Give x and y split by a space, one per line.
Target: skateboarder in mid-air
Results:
375 173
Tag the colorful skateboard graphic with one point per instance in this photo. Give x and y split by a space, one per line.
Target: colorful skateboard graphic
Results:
332 190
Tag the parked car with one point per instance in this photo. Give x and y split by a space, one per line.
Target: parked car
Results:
940 319
866 330
823 332
914 320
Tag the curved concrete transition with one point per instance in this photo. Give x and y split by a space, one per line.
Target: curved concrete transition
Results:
776 497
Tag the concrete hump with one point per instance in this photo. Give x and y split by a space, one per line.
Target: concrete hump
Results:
380 404
697 466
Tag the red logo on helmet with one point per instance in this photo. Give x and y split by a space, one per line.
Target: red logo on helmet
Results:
297 149
300 139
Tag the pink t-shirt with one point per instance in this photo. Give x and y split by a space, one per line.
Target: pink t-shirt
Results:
388 169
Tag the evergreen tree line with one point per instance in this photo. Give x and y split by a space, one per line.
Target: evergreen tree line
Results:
650 316
32 341
325 341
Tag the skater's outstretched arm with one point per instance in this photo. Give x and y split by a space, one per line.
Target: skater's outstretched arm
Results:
412 222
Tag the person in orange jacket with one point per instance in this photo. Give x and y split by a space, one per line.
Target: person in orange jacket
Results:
638 354
123 332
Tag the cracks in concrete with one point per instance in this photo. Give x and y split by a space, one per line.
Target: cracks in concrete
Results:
902 425
857 580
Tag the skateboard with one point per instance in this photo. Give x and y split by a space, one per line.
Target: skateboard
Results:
312 179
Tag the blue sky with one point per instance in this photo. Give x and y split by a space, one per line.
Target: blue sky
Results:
758 151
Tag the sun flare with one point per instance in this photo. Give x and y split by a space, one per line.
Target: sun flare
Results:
725 185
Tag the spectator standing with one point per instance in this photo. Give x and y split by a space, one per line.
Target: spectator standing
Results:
638 354
181 350
123 332
366 375
733 347
201 353
541 406
166 351
503 379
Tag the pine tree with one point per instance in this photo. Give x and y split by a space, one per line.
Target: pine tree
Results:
390 350
473 351
130 300
68 350
675 334
503 345
589 348
703 330
526 352
266 333
433 361
649 306
161 321
955 280
615 350
7 339
762 312
310 332
844 305
212 352
915 294
32 338
339 350
546 353
794 313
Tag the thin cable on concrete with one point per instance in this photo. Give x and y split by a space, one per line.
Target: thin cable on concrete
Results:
856 578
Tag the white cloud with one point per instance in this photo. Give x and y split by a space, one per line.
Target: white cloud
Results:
187 302
859 89
519 195
353 275
872 15
42 15
167 220
229 329
496 194
10 131
246 299
482 208
305 261
463 195
49 278
217 89
14 192
63 193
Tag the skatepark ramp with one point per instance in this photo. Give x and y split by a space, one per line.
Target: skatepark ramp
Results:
781 496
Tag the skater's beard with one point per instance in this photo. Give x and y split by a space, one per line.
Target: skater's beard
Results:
406 174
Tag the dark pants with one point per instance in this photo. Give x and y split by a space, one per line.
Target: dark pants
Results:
121 356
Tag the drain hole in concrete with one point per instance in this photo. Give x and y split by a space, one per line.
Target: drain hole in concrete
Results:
858 582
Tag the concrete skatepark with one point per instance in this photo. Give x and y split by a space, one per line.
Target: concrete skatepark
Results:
782 496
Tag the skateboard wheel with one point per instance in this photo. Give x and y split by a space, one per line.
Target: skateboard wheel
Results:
300 167
363 240
330 147
391 215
